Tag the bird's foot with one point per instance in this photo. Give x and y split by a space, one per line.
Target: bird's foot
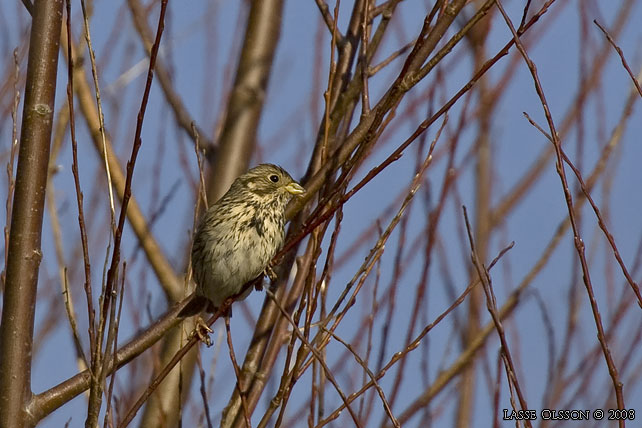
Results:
269 272
202 331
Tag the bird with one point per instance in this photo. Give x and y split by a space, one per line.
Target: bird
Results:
239 235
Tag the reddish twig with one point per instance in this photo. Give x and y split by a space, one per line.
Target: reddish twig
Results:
365 33
203 390
129 416
317 356
415 343
371 375
97 368
579 243
132 160
598 214
621 54
79 194
491 305
237 372
431 233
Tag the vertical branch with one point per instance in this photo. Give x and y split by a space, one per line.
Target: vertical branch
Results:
483 196
11 183
115 324
101 117
328 92
79 194
23 262
238 137
237 373
365 34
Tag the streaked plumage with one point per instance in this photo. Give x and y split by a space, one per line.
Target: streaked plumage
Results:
238 235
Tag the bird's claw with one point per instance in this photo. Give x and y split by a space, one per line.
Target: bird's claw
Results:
202 332
269 272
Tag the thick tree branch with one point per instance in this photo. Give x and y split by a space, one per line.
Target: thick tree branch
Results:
46 402
19 300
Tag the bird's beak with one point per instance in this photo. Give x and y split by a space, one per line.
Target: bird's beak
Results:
295 188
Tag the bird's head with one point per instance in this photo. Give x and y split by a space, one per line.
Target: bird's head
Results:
268 182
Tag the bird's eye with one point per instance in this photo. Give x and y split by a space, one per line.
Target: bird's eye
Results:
274 178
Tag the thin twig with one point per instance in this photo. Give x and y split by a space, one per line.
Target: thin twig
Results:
600 219
621 54
371 375
101 116
317 355
72 320
328 92
11 182
181 115
155 255
433 219
372 258
365 33
331 23
79 194
396 54
112 273
202 194
203 390
579 243
182 352
131 413
301 281
414 344
237 372
116 325
491 305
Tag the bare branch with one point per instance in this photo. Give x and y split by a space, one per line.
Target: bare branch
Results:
24 250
